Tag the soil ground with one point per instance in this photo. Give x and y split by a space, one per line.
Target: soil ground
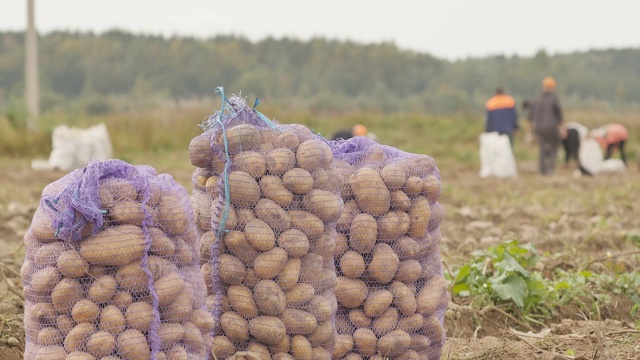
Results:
574 222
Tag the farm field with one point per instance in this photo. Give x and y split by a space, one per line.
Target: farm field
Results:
584 232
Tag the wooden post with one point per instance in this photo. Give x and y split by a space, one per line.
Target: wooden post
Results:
32 83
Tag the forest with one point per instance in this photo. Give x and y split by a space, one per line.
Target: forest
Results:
99 72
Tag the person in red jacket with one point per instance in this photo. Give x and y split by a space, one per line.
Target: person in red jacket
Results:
612 137
501 115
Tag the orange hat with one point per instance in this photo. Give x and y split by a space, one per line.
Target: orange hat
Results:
359 130
548 83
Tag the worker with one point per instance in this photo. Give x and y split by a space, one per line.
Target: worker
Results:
612 137
357 130
501 115
545 115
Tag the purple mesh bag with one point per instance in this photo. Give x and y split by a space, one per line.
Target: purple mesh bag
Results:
390 289
111 269
266 197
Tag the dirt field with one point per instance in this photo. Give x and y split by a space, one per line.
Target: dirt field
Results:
575 223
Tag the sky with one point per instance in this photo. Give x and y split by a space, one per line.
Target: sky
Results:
449 29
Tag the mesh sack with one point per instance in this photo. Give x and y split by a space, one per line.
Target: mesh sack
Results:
111 269
390 289
266 197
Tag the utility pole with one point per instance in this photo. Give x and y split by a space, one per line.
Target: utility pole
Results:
32 82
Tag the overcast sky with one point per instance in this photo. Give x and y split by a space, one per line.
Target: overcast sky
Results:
451 29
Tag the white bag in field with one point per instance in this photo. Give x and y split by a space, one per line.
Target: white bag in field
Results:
496 156
592 159
73 148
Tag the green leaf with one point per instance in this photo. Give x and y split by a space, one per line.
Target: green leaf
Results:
459 288
513 287
509 264
463 273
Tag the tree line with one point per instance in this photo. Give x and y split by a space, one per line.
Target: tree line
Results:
319 75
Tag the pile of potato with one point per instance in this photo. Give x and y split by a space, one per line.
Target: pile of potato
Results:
125 291
274 263
390 290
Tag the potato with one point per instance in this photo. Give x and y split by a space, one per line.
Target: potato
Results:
50 353
85 311
297 180
131 277
321 308
394 343
413 186
321 353
365 341
139 316
200 153
370 191
177 352
267 329
355 356
352 264
295 242
241 300
350 210
80 355
101 344
64 323
325 204
96 270
45 280
409 271
280 160
384 264
392 225
406 248
403 299
283 346
120 189
272 188
411 324
419 214
299 294
301 348
324 335
272 214
288 140
132 345
235 327
41 227
432 296
351 293
170 334
344 345
78 336
393 175
202 319
49 336
359 319
386 322
270 299
321 179
161 244
363 233
377 302
48 254
72 265
244 215
168 288
236 242
400 201
251 279
180 309
222 347
259 349
341 245
251 162
434 331
270 263
298 321
193 338
112 320
431 188
308 223
241 137
243 189
327 280
102 289
131 212
114 246
419 343
260 235
310 154
231 269
44 313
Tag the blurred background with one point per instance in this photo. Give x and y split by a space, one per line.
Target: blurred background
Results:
416 73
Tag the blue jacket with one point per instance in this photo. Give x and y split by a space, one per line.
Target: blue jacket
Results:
501 114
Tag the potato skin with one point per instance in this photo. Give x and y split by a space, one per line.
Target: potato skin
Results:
394 343
432 296
269 264
114 246
351 293
384 264
363 233
243 189
267 329
365 341
419 214
241 301
377 302
370 191
132 345
269 297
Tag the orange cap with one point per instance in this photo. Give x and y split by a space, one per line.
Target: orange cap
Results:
548 83
359 130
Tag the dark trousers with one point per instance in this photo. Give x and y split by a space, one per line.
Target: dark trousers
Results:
549 143
612 148
571 145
